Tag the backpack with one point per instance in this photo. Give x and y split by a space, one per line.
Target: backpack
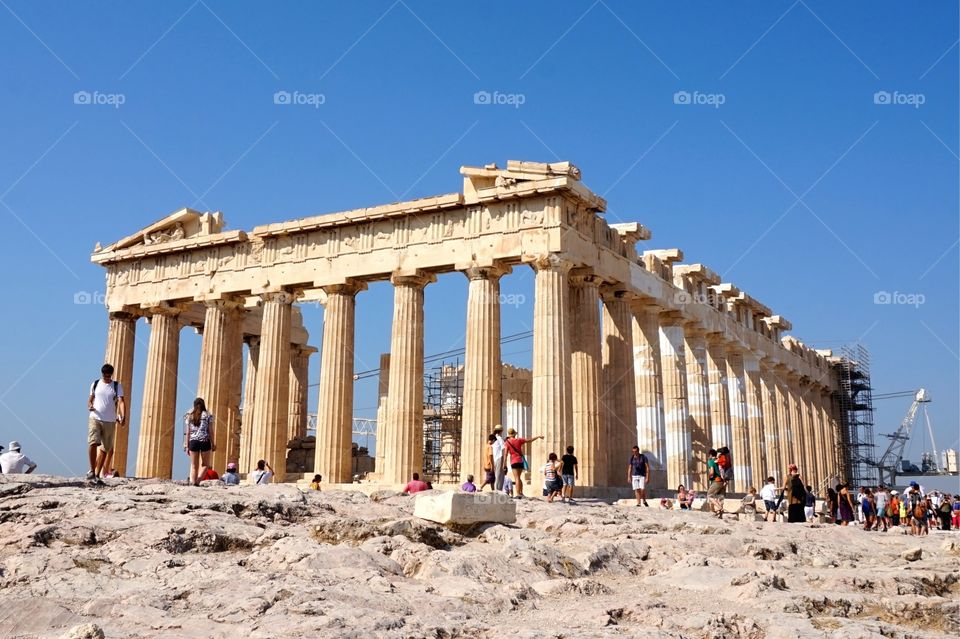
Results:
726 467
116 393
797 490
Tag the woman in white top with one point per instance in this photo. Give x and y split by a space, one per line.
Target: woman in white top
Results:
198 440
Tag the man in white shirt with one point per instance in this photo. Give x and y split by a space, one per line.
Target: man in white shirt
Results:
262 475
499 460
13 461
107 411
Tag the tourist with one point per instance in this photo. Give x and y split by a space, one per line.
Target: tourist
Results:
415 486
468 486
198 440
832 503
231 477
915 504
768 493
945 509
666 504
315 484
867 507
552 484
811 504
893 509
14 462
716 487
845 508
107 410
919 524
638 474
749 502
208 475
569 474
262 474
489 475
794 487
499 456
518 462
684 497
508 485
881 499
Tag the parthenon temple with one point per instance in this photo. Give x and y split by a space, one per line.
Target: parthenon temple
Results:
628 347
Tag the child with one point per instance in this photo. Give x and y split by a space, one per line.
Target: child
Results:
231 477
468 486
315 484
508 485
749 501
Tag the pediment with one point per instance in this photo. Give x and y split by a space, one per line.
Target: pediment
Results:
179 225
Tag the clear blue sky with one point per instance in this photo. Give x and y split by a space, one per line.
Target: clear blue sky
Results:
799 187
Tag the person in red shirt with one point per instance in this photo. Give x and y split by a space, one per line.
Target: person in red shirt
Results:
514 447
415 485
210 474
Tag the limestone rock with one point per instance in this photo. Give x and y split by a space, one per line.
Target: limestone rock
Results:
465 508
84 631
914 554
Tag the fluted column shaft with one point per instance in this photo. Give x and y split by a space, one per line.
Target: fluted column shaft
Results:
158 417
739 420
649 390
552 379
215 377
756 418
721 429
618 396
585 369
698 399
335 405
121 341
482 371
675 408
785 418
231 445
383 409
245 439
797 452
811 434
299 374
404 437
831 435
268 432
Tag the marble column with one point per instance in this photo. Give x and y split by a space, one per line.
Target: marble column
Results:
811 434
721 429
771 422
698 400
215 376
552 379
585 370
245 439
675 407
756 418
796 447
121 340
235 383
618 396
404 432
158 417
482 370
299 381
648 380
785 419
383 408
335 405
268 430
740 422
831 435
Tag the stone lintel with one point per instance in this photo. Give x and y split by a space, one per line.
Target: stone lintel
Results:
632 232
667 256
778 321
725 290
753 304
697 273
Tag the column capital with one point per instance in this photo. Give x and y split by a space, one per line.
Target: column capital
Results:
349 286
281 296
582 277
167 309
487 272
414 279
615 292
253 341
123 315
551 262
694 328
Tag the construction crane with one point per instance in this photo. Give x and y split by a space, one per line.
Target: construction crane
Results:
889 464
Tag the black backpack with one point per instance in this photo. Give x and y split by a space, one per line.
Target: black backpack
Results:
116 393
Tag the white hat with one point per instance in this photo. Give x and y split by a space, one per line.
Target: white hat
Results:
14 445
893 492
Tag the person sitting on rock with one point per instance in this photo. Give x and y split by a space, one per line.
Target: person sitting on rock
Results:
749 501
262 475
231 477
468 486
666 504
315 484
684 497
208 475
15 462
415 486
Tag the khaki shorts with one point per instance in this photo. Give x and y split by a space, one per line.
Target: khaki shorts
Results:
102 434
717 488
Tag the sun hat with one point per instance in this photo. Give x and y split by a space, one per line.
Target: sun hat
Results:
512 431
14 445
497 427
893 492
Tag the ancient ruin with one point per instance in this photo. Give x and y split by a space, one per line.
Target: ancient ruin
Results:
628 347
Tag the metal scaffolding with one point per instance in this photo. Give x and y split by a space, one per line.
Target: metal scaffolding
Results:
854 401
442 413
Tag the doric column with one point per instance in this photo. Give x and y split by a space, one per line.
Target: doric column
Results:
482 369
675 409
299 381
552 379
383 408
649 389
158 417
739 420
811 434
235 382
786 415
796 444
268 430
517 400
585 371
121 340
404 436
335 405
698 400
215 377
618 394
721 429
830 434
771 423
245 439
756 418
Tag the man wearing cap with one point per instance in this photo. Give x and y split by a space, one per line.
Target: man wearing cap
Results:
15 462
231 477
499 459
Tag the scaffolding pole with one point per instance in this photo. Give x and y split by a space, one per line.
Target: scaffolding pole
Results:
854 401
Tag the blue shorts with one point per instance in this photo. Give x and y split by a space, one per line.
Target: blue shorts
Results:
567 480
770 505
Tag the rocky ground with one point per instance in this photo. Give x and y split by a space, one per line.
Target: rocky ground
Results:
157 559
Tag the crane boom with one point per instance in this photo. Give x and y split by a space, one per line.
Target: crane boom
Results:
890 461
